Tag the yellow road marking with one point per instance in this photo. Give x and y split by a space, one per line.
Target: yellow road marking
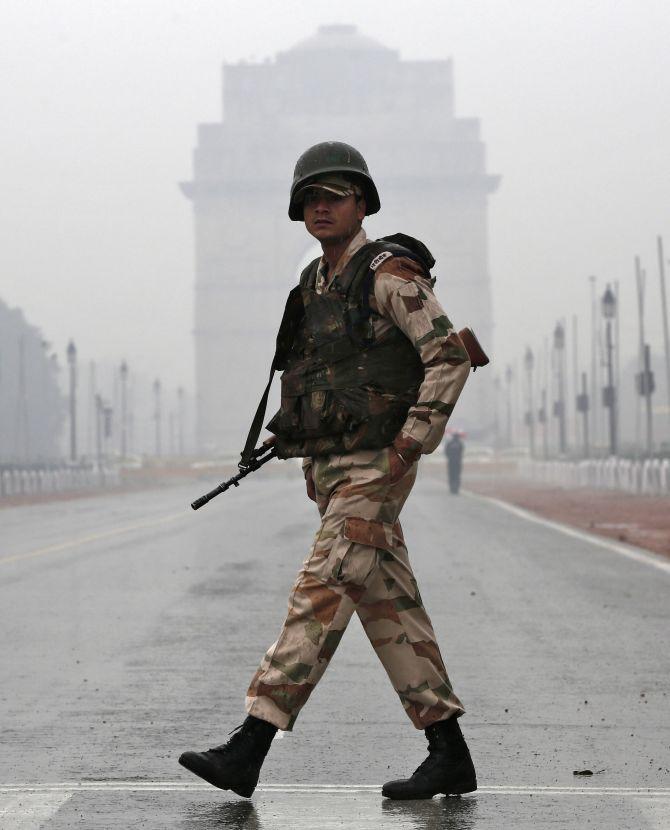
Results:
94 537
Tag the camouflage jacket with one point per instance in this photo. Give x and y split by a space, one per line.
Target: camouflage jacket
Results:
403 298
344 388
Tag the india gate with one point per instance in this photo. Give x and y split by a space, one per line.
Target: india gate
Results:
429 167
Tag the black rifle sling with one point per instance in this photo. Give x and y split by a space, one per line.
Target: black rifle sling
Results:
293 314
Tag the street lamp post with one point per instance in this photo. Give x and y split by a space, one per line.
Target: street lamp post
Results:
583 408
646 386
157 415
496 412
529 362
608 305
180 414
123 372
559 404
108 413
508 380
72 363
99 407
542 419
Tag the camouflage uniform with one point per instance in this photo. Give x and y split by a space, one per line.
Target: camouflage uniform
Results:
359 561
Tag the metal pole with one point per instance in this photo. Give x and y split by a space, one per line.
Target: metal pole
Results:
90 448
131 414
585 416
566 385
72 363
664 309
545 437
529 362
22 418
647 398
157 415
546 381
594 374
180 434
575 377
562 438
123 373
98 431
639 282
496 412
531 415
617 360
559 360
610 391
508 378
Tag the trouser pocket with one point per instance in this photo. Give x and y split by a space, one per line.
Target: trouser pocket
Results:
356 550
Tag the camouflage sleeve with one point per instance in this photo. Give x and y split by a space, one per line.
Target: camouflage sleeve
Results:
406 298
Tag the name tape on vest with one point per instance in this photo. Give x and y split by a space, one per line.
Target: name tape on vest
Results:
377 261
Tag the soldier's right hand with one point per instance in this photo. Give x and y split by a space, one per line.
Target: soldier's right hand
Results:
309 483
397 465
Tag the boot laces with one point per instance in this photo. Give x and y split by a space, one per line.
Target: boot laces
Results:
426 765
438 751
238 734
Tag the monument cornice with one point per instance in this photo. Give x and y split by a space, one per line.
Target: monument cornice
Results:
215 188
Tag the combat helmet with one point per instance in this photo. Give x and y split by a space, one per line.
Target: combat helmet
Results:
332 157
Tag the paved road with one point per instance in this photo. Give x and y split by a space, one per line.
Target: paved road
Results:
131 627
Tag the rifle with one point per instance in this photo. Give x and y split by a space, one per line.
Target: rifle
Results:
261 455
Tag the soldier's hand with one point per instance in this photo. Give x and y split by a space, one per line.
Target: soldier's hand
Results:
309 483
270 442
397 465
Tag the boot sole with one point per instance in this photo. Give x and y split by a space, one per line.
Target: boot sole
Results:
409 796
194 765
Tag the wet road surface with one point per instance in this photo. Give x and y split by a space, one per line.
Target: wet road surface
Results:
131 627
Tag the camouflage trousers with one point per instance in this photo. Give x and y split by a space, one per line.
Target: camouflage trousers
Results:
358 563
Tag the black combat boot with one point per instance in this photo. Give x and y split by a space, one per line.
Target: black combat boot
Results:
448 769
235 765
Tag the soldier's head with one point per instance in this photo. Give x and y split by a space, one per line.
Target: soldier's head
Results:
332 191
333 208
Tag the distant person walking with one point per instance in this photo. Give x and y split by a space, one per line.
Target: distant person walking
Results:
454 450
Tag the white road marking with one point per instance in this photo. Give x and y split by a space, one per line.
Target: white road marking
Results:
29 809
94 537
636 554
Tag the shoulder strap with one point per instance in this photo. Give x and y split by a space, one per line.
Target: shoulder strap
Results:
308 275
293 314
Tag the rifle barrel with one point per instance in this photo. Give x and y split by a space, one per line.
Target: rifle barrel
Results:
258 459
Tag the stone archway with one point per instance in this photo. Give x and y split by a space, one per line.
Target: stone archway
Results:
428 164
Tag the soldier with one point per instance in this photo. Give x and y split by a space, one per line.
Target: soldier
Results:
372 371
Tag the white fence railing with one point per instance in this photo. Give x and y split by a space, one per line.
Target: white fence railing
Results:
33 481
651 477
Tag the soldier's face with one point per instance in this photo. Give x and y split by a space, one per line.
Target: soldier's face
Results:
331 218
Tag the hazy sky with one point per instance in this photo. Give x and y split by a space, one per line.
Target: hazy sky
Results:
100 101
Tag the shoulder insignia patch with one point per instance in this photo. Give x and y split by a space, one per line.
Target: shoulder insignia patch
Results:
377 261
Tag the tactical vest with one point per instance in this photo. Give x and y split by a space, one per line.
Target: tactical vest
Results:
342 387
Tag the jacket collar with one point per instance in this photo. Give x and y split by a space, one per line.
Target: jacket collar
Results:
323 279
